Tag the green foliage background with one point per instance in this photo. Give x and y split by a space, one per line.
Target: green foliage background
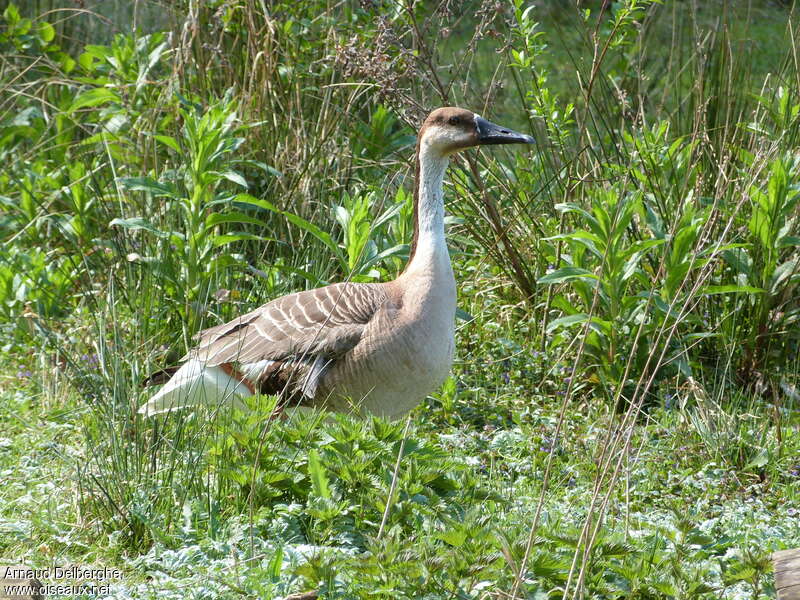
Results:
622 419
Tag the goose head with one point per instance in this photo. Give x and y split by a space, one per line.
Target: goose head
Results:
450 129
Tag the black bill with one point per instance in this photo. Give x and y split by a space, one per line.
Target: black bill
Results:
489 133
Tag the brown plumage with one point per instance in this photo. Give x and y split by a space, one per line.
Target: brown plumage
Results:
295 332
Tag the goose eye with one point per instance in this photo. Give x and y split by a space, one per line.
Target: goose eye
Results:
453 121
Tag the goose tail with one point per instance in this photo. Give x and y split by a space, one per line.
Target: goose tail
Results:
196 384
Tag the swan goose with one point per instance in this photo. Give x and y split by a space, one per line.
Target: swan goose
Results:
375 348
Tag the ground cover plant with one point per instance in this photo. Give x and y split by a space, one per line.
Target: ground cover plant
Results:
622 419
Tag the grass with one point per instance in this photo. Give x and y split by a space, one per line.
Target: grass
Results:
621 420
469 483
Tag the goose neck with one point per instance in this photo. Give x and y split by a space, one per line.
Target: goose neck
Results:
429 249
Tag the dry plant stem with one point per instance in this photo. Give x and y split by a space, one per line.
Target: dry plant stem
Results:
492 246
625 429
612 439
610 448
597 60
624 433
550 291
188 34
395 473
497 224
794 53
610 445
11 97
426 53
548 468
552 157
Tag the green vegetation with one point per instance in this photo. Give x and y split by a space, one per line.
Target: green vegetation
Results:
622 420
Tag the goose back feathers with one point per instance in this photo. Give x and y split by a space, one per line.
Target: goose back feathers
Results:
295 339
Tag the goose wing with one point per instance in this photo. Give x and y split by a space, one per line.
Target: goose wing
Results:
296 335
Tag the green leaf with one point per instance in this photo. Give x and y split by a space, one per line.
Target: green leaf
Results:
760 460
261 165
235 178
730 248
463 315
306 226
593 243
601 325
390 214
571 207
654 222
701 335
86 61
683 241
93 97
567 321
566 274
781 273
150 185
739 260
215 219
311 278
789 241
453 537
644 245
46 32
11 15
659 303
169 141
23 27
135 223
319 479
632 265
66 62
229 238
275 564
710 290
152 59
397 250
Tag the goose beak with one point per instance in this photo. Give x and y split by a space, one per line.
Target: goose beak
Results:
489 133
